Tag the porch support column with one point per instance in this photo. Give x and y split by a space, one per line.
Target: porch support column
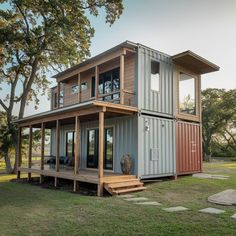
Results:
100 153
58 94
30 151
122 75
96 81
19 152
77 151
57 150
42 150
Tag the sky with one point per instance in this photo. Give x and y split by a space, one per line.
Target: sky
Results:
206 27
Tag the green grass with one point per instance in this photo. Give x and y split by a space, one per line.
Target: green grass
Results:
31 210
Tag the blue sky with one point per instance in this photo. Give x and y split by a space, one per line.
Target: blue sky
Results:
171 26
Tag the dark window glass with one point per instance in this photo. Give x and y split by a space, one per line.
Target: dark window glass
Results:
109 82
55 100
93 87
70 143
92 148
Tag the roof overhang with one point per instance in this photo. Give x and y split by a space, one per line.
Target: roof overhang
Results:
82 110
194 62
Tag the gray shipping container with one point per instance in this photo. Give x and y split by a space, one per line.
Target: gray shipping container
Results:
149 101
156 147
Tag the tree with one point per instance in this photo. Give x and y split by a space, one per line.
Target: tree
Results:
39 35
218 115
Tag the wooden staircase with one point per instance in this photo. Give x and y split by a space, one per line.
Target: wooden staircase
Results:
122 184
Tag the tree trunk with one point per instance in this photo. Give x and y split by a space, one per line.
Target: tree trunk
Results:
8 164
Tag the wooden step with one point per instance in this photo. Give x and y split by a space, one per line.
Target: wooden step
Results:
125 184
118 177
119 181
128 190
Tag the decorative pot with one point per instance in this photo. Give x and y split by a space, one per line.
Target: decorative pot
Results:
126 164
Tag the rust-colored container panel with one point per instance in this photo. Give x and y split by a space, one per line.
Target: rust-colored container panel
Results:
188 147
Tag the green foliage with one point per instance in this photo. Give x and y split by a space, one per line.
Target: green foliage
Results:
41 35
219 121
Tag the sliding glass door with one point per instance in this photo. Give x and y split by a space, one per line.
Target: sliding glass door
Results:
92 148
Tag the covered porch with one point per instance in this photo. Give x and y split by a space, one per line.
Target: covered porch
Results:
93 110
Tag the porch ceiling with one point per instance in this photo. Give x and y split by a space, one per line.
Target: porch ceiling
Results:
86 112
195 63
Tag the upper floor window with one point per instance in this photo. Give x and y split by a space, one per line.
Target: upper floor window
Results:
109 82
75 89
155 76
84 86
55 100
187 97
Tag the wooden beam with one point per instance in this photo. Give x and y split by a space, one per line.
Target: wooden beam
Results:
77 145
100 152
19 152
57 145
96 82
30 151
58 94
42 149
79 85
122 75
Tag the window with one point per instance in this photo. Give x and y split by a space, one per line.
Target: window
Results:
84 86
109 82
187 100
70 143
93 87
75 89
155 76
55 100
92 148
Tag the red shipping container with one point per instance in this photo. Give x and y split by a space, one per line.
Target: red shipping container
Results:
188 147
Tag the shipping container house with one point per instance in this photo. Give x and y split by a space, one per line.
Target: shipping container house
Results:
130 100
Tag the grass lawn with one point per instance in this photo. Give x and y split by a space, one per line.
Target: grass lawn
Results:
31 210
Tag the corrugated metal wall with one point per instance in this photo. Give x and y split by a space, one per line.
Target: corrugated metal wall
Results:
156 147
148 100
188 147
125 140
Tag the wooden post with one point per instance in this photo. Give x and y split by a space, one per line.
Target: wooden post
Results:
42 150
77 150
57 150
19 152
122 75
96 81
58 94
79 86
30 151
100 153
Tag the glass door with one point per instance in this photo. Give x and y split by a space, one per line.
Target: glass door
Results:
92 148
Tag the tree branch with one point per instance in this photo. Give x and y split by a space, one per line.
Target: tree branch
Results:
3 105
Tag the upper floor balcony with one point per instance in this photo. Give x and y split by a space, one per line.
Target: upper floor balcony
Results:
109 77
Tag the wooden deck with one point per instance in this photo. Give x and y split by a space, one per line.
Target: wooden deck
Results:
84 175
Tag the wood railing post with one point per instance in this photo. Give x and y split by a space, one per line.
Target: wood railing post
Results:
42 149
96 81
79 86
30 151
58 94
122 75
100 153
77 150
19 152
57 150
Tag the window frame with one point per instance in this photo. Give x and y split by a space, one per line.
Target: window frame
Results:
73 142
153 90
197 90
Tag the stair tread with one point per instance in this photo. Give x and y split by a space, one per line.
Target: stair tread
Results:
124 184
118 180
129 190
